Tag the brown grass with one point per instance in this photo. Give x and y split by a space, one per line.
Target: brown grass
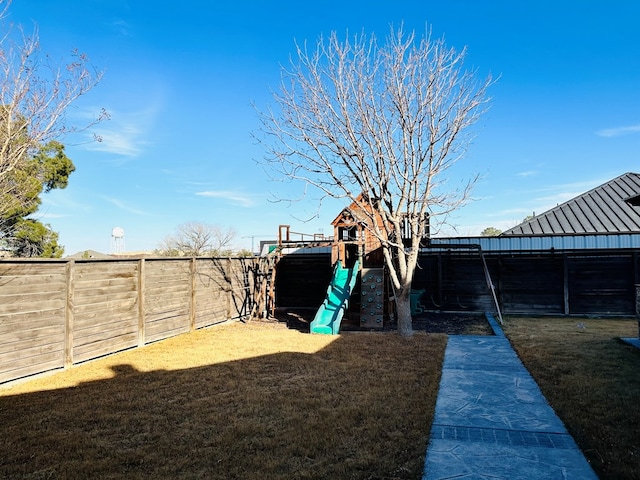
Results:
592 380
240 401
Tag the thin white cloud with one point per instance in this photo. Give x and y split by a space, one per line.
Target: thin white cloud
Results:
63 200
123 134
553 200
120 143
569 188
52 215
235 198
120 26
123 206
510 212
619 131
552 195
527 173
538 200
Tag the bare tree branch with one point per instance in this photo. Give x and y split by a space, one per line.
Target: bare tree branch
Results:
35 95
386 120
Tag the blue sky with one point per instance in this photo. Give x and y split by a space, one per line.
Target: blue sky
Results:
181 78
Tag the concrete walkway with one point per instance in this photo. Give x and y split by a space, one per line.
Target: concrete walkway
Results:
634 342
492 421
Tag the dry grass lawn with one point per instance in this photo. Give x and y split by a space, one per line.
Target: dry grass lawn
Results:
592 380
239 401
258 400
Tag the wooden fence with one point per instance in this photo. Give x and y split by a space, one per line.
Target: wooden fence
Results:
54 314
596 282
593 283
302 280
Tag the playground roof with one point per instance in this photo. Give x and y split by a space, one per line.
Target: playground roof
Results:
611 208
352 213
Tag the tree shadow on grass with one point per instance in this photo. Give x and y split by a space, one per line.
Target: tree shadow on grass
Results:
359 408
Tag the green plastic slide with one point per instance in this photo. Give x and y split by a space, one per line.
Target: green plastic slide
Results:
329 315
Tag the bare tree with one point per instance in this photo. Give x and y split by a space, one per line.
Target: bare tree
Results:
195 239
386 121
36 93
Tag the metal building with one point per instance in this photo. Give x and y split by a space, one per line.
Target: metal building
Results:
605 217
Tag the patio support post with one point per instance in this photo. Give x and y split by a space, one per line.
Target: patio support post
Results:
638 307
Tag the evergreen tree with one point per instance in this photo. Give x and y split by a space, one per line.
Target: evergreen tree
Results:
23 235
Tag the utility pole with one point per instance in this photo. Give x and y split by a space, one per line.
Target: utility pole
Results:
253 237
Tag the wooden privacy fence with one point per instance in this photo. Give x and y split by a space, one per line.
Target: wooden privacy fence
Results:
578 282
54 314
596 282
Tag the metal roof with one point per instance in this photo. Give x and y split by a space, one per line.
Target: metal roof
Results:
516 243
611 208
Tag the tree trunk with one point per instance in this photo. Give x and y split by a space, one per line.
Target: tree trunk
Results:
403 307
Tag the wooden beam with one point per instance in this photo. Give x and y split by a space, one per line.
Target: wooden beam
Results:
565 282
192 302
69 314
141 302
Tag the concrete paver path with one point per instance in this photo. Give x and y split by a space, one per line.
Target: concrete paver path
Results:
492 421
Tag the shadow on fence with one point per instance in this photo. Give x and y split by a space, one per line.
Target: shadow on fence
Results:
54 314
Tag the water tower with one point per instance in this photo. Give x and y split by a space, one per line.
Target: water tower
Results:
117 240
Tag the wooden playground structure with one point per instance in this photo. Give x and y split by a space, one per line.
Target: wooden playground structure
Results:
353 246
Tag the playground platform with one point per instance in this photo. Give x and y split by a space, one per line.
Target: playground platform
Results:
492 421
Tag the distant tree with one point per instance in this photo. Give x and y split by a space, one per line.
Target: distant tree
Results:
244 253
491 232
195 239
386 121
35 94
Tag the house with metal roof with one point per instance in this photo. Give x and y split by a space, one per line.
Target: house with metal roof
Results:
605 217
581 257
611 208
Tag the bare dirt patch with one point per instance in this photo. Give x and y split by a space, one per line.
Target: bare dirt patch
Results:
450 323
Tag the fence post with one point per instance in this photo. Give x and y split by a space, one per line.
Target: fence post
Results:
141 307
192 300
69 314
638 307
229 289
565 284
